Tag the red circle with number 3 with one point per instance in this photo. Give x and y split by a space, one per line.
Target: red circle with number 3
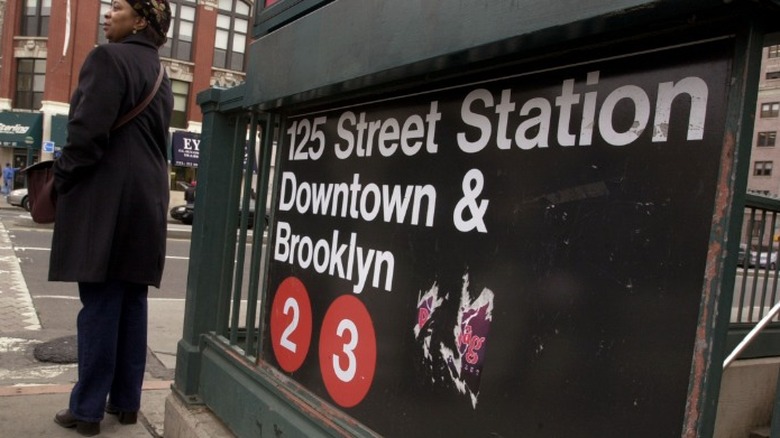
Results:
291 324
347 351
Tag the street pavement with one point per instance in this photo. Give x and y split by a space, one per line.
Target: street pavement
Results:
32 391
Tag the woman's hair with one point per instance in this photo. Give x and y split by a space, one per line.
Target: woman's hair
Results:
158 18
154 36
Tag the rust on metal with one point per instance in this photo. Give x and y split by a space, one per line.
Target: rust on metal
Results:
702 353
296 395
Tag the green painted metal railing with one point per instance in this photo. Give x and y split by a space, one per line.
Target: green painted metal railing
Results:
758 271
757 283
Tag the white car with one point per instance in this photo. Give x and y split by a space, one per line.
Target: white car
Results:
765 259
18 198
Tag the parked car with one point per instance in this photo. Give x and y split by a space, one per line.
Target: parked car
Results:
765 259
18 198
185 213
742 256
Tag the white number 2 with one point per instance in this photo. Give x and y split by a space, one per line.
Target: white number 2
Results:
346 375
290 304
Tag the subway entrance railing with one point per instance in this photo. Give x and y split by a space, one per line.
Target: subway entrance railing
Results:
508 233
236 261
241 262
757 283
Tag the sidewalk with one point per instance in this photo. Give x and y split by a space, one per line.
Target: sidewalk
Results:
27 406
28 411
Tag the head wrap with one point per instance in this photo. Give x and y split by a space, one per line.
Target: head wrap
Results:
156 12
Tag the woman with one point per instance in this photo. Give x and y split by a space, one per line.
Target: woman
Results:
112 197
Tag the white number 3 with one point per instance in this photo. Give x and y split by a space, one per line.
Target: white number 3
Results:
346 375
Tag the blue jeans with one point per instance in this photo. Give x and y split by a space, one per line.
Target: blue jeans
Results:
112 327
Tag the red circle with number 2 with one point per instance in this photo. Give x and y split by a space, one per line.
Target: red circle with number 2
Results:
347 351
291 324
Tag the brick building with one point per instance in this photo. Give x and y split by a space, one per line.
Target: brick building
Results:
45 42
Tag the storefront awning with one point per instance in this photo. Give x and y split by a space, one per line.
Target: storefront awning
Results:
20 130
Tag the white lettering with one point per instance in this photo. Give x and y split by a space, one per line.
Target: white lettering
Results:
641 115
13 129
589 111
356 201
411 134
191 144
698 92
328 255
482 123
565 101
490 123
541 123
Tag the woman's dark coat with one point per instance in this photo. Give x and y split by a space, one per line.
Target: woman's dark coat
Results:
112 185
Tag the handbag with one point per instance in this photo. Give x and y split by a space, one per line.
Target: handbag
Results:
40 176
40 191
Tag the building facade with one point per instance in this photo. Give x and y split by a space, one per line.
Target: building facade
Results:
44 44
764 179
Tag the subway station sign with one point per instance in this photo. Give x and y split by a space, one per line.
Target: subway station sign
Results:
512 256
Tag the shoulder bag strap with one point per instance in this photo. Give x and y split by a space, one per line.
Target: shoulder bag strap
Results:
140 107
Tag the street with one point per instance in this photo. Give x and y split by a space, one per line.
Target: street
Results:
56 305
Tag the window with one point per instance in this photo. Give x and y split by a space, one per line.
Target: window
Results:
179 45
35 17
105 5
30 78
770 109
232 29
766 139
774 52
773 75
762 168
181 94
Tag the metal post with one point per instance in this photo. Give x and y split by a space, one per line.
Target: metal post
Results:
206 280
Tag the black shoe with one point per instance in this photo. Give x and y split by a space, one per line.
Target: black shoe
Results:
65 419
125 417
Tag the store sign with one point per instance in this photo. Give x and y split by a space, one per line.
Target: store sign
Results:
514 256
185 149
14 129
20 129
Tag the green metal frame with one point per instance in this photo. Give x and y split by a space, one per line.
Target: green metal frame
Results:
717 297
269 18
211 253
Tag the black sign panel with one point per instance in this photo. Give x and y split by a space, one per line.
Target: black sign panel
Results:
522 256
